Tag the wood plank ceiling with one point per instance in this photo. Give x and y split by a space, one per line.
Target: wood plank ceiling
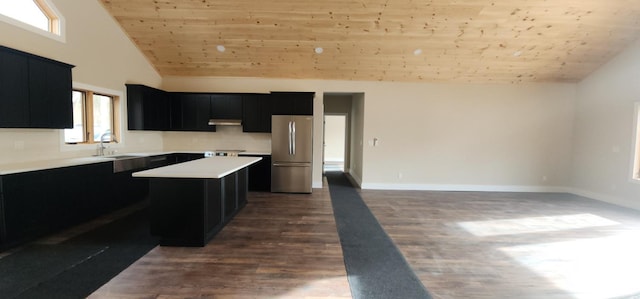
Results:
477 41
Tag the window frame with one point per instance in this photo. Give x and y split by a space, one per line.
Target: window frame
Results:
88 116
117 112
57 22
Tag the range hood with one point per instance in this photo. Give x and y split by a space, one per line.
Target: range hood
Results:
225 122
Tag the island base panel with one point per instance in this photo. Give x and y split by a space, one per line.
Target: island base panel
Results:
190 212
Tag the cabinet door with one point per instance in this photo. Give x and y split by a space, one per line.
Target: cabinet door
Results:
176 112
230 195
156 109
303 103
196 112
50 94
226 106
28 205
256 113
260 174
282 103
14 90
135 115
148 108
292 103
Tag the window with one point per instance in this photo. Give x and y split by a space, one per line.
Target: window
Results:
35 14
94 118
636 161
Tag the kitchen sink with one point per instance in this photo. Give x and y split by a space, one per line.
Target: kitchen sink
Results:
127 162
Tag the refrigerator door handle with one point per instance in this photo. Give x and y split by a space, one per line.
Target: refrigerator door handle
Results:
293 144
290 138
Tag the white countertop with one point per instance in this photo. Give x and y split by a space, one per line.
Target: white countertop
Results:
49 164
207 168
19 167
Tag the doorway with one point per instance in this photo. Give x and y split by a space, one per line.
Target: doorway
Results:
335 138
346 112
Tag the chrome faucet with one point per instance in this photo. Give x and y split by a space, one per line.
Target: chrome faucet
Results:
101 146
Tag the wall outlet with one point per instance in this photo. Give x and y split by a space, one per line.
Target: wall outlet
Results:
19 145
399 175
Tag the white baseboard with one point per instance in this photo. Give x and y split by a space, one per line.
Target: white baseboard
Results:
449 187
606 198
504 188
356 178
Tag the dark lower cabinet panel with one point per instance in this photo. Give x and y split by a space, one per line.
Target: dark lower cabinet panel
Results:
36 203
190 211
40 202
185 157
260 174
242 186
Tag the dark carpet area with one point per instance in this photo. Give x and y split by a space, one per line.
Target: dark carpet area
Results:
79 266
375 267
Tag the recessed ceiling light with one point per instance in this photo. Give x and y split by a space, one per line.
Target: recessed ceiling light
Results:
517 53
319 50
417 52
220 48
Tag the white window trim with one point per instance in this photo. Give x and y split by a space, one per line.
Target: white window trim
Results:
61 22
635 146
65 147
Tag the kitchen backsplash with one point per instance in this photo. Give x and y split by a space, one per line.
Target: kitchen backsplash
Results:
226 137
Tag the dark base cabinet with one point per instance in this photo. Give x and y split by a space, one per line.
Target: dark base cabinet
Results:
191 211
260 174
40 202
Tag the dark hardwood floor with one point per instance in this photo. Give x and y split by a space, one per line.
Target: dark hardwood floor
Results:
278 246
460 244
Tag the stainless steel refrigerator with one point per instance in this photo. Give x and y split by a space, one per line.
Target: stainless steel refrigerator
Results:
291 153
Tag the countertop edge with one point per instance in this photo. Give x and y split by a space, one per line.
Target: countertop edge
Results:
190 169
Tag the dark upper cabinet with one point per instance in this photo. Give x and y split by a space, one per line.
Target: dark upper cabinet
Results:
14 90
292 103
154 109
191 112
148 108
50 95
226 106
35 92
256 113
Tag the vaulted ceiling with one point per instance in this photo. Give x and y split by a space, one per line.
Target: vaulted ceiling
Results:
389 40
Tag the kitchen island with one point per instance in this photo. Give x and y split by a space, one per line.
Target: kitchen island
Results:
190 202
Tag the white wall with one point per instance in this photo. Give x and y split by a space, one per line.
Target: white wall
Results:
103 57
441 136
357 137
603 139
468 137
